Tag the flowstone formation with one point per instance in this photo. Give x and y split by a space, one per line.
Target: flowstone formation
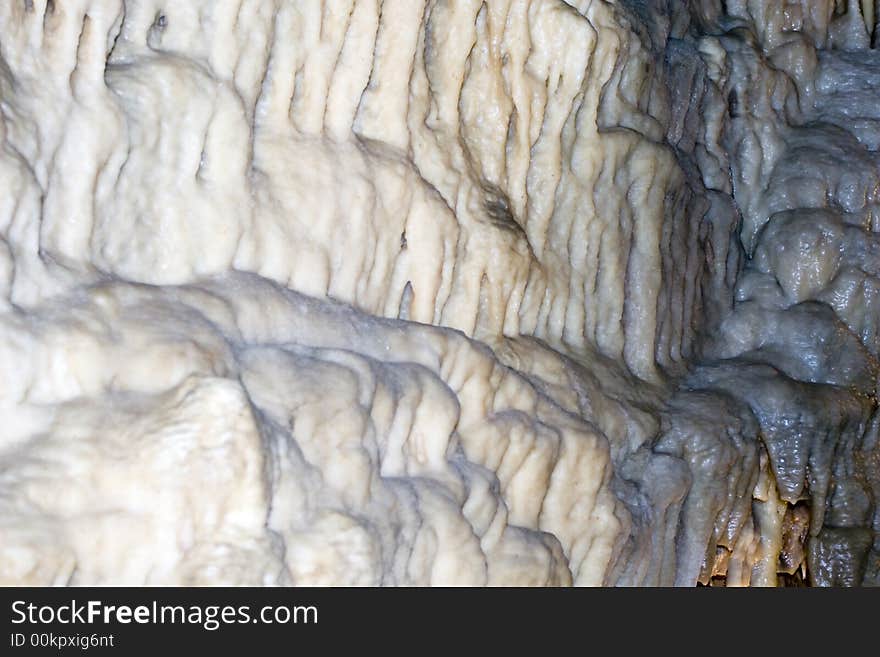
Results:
416 292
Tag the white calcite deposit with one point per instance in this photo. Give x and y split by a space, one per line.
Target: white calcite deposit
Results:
414 292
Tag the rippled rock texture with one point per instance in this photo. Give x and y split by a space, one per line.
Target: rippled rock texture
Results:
395 292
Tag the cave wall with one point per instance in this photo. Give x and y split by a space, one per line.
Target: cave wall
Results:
438 292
